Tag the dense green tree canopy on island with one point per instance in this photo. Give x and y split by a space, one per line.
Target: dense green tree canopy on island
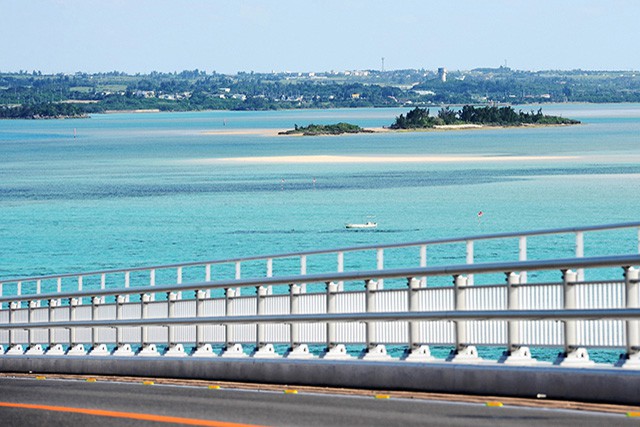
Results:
419 118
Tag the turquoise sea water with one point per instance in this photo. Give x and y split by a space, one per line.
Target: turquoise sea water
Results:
124 193
127 192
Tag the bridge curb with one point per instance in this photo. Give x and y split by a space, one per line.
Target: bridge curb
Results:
598 385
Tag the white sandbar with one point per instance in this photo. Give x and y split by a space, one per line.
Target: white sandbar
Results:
377 159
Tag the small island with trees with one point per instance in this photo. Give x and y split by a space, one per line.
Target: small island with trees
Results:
335 129
468 115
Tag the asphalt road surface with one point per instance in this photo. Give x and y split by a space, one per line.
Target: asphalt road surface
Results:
27 401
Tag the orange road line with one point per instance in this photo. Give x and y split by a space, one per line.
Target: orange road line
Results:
126 415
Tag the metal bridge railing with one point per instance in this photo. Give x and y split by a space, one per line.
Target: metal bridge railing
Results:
512 315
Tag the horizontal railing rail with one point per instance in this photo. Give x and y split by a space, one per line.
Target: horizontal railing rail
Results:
450 270
427 242
450 315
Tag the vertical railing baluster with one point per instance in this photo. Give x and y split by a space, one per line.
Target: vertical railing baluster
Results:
270 267
470 260
59 285
380 265
179 276
38 287
423 263
522 256
238 276
340 269
303 271
19 290
580 254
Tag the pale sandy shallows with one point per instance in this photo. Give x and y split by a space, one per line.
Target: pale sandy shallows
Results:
376 159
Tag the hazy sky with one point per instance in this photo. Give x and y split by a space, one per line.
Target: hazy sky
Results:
322 35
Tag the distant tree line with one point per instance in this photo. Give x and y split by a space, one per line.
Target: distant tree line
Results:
334 129
193 90
41 111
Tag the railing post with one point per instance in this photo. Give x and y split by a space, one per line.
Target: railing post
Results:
261 293
296 350
171 309
522 256
232 349
632 297
580 254
202 349
54 349
373 350
50 317
332 289
30 307
33 348
14 348
75 349
122 349
263 349
333 350
200 297
416 352
175 349
294 308
469 279
144 314
573 354
94 316
516 354
463 352
73 302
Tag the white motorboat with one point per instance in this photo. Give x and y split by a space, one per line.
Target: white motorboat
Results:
367 224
